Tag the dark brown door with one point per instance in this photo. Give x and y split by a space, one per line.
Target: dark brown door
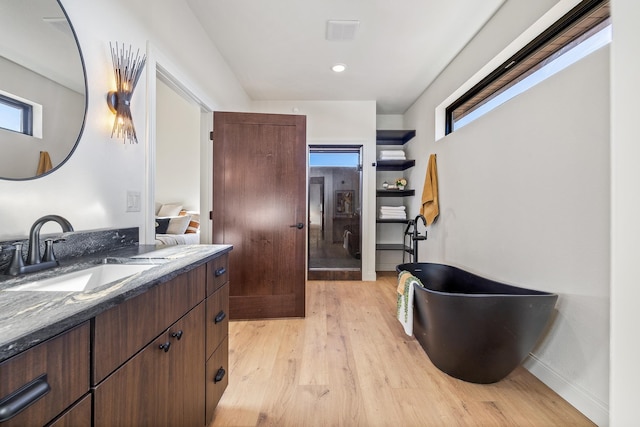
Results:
259 194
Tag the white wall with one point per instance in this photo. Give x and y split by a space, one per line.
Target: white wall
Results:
625 209
177 149
342 123
90 189
524 199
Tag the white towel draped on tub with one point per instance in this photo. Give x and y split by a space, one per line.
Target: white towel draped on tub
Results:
346 237
405 290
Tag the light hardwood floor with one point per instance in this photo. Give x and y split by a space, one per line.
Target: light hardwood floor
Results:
349 363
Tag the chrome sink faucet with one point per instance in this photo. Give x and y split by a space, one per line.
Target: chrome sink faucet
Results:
35 262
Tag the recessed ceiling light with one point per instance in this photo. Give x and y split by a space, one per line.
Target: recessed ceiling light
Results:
338 68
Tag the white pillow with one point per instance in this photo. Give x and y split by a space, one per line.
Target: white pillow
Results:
170 210
178 224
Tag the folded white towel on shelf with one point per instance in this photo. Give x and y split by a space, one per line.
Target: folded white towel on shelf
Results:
403 217
392 215
393 208
391 155
392 158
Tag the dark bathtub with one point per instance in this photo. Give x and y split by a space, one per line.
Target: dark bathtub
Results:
473 328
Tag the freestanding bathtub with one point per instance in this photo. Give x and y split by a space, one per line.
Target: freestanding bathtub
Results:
473 328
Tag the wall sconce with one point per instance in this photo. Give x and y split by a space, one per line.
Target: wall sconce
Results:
127 69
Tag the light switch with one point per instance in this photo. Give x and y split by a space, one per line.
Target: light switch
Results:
133 201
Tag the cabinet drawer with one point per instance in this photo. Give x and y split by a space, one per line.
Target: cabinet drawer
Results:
126 328
217 377
78 415
217 318
218 273
61 364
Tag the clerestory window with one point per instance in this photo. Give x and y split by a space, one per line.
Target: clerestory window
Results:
583 30
16 115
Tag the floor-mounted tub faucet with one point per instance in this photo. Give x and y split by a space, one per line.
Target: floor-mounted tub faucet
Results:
36 262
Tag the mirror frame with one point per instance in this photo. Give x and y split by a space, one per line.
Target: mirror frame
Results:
86 104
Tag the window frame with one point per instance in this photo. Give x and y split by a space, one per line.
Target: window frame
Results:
565 22
27 114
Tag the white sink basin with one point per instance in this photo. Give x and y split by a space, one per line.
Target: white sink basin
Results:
84 280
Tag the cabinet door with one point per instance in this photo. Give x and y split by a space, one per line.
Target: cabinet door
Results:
186 382
78 415
136 394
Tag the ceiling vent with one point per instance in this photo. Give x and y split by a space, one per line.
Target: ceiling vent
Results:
341 30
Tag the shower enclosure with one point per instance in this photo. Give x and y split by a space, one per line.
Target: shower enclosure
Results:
335 182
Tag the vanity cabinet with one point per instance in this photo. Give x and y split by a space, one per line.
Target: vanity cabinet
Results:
157 359
60 364
160 359
151 350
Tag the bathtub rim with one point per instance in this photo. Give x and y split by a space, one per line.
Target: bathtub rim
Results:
529 291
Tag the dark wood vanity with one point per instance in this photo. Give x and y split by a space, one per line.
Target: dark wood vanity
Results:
157 359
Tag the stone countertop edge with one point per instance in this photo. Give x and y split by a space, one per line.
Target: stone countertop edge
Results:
28 318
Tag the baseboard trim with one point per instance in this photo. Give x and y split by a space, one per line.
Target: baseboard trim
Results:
592 407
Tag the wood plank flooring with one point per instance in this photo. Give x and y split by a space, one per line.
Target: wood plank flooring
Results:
349 363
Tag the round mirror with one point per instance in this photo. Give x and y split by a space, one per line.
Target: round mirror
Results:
43 88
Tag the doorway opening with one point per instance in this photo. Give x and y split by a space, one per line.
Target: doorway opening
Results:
335 208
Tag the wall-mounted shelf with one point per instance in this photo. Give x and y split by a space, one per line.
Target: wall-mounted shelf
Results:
392 221
393 247
395 193
394 137
394 165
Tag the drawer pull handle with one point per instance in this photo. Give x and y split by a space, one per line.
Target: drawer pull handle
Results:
177 335
219 375
20 399
165 346
219 272
220 317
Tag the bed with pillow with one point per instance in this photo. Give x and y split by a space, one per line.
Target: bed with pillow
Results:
177 226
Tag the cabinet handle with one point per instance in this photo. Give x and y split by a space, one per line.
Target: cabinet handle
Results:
219 272
220 317
177 335
20 399
219 375
165 346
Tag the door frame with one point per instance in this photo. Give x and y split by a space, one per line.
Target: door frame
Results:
159 63
338 274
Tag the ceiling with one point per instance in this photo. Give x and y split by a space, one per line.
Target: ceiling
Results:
278 50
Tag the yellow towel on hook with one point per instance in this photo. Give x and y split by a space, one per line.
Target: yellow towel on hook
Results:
44 163
429 207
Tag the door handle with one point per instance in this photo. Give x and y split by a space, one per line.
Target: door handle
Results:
299 226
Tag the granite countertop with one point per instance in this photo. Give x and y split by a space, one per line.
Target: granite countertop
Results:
30 317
